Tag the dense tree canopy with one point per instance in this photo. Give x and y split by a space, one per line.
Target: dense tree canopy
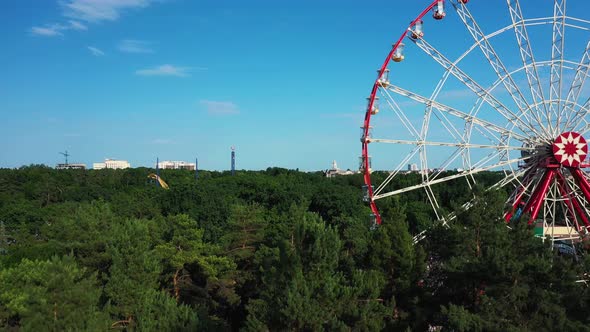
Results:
269 251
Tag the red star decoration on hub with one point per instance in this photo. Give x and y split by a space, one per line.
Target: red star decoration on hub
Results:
570 149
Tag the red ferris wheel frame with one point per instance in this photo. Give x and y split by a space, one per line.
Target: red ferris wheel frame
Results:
365 164
544 174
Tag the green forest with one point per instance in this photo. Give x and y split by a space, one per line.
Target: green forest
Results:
272 250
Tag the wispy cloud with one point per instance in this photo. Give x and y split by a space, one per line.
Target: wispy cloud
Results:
135 46
95 51
75 25
50 30
99 10
164 70
89 11
57 29
220 107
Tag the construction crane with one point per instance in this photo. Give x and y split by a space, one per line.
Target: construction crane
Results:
162 183
66 154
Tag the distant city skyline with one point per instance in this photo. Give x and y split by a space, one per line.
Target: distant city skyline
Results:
162 164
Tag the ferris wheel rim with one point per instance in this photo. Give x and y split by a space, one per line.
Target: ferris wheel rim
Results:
556 63
367 120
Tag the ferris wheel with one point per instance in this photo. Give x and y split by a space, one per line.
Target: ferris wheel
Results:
475 86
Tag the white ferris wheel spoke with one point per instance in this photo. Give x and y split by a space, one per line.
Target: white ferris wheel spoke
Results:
471 84
441 117
578 20
482 41
503 182
433 201
397 170
582 69
443 167
524 179
579 122
575 88
483 161
448 178
429 177
557 63
400 114
450 144
452 111
513 176
526 55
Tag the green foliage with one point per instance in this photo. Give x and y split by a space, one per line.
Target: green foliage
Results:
245 230
52 295
498 279
272 250
462 320
184 245
304 289
160 312
134 270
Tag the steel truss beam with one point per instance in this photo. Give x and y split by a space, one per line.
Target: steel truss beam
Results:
526 55
555 106
472 85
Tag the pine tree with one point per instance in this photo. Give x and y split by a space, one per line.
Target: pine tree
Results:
183 245
160 312
304 288
53 295
134 270
494 278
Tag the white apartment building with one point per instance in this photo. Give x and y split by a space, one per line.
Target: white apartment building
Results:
112 164
177 165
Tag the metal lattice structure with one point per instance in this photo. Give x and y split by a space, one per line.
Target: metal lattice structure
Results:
233 161
492 104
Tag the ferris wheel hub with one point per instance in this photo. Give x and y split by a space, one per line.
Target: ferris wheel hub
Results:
570 149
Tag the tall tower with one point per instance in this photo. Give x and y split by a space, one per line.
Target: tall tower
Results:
196 168
233 160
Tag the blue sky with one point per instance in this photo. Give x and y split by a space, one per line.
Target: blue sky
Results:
284 82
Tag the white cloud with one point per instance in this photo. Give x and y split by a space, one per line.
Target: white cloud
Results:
164 70
50 30
90 11
95 51
57 29
75 25
220 107
99 10
135 46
